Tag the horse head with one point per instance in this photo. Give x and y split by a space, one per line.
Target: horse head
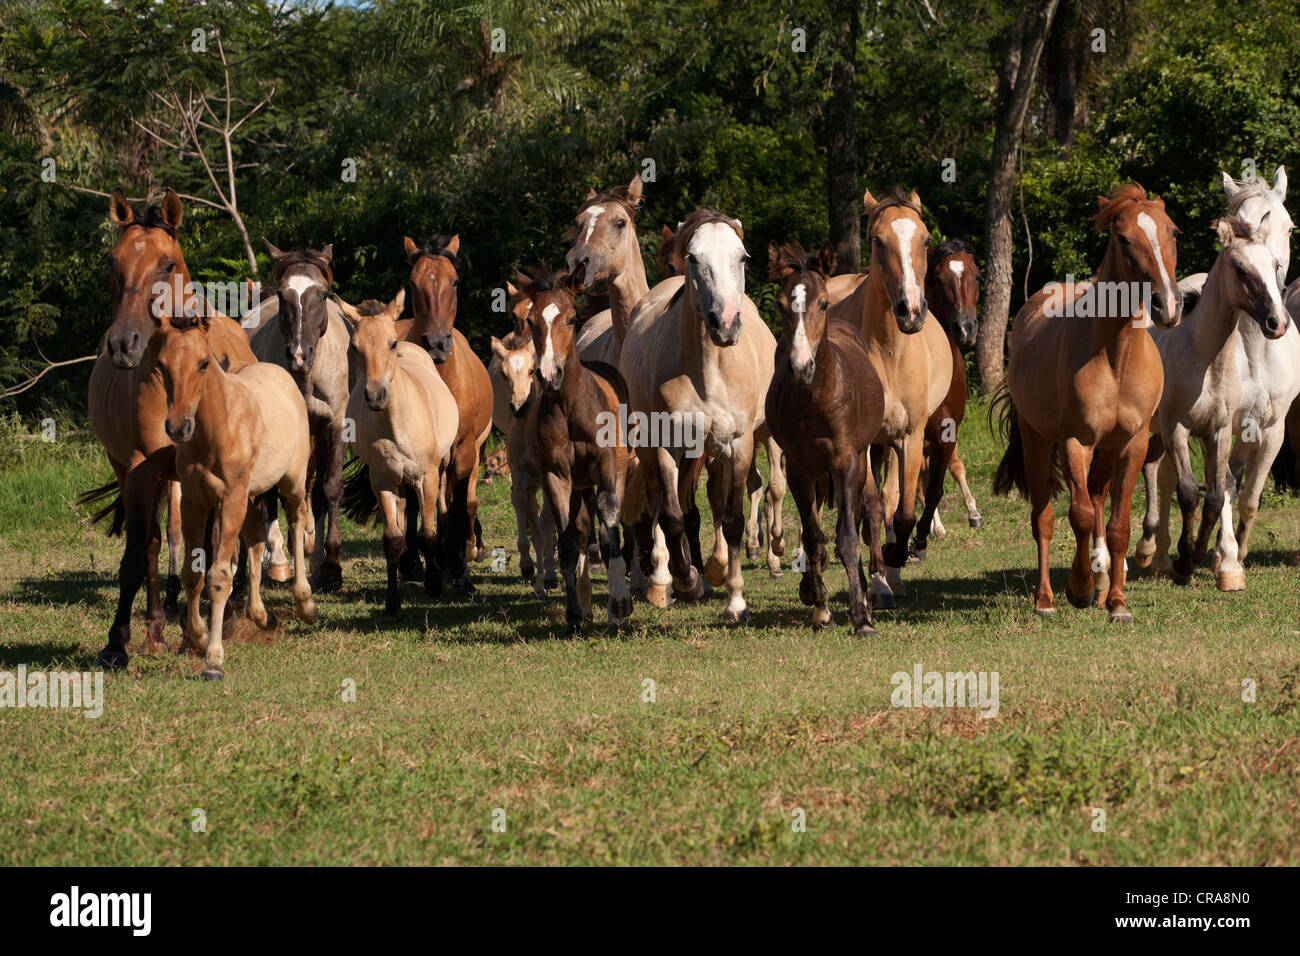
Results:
433 292
186 360
803 302
302 279
374 336
553 322
1251 287
1143 247
952 290
603 234
713 255
899 241
518 358
1251 202
148 281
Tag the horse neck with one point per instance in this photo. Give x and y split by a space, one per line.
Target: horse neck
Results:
698 351
216 404
1213 319
627 286
1113 334
877 307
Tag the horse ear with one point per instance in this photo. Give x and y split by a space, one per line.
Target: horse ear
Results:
348 311
868 200
453 244
498 349
411 248
914 199
1229 187
120 209
1224 230
634 188
773 260
740 228
223 362
1279 183
826 259
171 209
397 305
276 254
522 279
591 193
575 279
1101 202
328 254
511 289
667 234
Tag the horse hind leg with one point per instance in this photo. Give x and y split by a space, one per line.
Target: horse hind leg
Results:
254 535
1146 546
1126 467
774 500
277 558
329 574
753 515
175 550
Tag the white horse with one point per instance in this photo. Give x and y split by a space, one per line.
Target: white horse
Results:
1200 399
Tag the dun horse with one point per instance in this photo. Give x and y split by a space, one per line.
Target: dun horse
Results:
952 291
583 461
149 287
913 360
240 432
434 279
1083 382
300 329
406 427
1200 398
825 406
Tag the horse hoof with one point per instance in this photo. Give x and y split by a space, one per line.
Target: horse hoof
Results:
821 617
883 602
778 547
1080 602
306 613
620 609
693 592
753 554
410 569
1045 611
1182 580
480 555
329 580
112 660
213 673
976 521
270 622
1120 615
917 556
1230 580
280 573
550 582
657 594
732 617
715 573
864 630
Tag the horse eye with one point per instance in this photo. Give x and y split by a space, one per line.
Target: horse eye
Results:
393 346
166 268
620 223
1123 239
454 283
825 303
203 366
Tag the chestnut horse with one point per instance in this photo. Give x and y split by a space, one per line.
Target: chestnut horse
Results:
149 286
239 431
406 427
300 329
913 359
825 406
434 279
952 291
583 461
1085 378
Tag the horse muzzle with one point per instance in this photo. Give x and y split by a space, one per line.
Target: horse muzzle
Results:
376 397
967 332
803 372
180 432
125 349
438 347
910 317
1274 326
1164 313
723 333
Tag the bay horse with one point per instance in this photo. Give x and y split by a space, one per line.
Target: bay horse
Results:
406 424
1084 379
698 354
301 329
912 358
514 362
583 461
952 291
1201 393
825 406
240 430
434 280
149 286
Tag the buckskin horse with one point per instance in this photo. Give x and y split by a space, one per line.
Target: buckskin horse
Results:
149 286
1084 379
825 406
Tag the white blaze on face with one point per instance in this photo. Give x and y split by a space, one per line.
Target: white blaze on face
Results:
1148 227
718 254
517 362
1262 264
548 366
957 267
298 285
801 354
594 212
1267 214
905 229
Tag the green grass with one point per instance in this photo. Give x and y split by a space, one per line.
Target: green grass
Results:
469 707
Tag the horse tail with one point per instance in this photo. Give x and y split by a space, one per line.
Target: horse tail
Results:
1286 466
1011 469
358 501
116 507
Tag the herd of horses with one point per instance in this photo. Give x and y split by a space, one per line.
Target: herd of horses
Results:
859 402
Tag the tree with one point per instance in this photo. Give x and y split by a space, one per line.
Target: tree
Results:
843 211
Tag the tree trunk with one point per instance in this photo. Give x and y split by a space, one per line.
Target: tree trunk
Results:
843 200
1016 81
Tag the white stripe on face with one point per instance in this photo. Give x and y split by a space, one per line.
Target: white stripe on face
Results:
594 212
1261 261
548 366
717 252
1148 227
517 362
801 353
904 229
957 266
300 284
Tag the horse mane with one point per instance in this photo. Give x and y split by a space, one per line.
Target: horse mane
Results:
895 200
1121 197
620 195
371 307
153 219
302 256
437 246
546 280
1246 189
953 247
702 217
1241 229
792 256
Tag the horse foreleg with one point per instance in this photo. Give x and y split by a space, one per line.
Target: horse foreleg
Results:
774 499
410 567
155 616
958 471
428 494
1189 498
280 570
609 510
753 513
873 521
733 528
230 521
1127 465
936 472
1215 453
687 581
908 475
1038 477
525 508
1099 478
137 496
1077 459
1161 565
849 488
718 490
329 575
812 589
1151 518
549 577
194 526
1259 460
392 507
175 549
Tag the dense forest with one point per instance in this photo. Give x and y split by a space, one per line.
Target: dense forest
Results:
357 124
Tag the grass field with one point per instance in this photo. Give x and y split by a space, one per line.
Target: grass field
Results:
467 708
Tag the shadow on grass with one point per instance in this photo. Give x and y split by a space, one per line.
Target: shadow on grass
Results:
68 588
45 655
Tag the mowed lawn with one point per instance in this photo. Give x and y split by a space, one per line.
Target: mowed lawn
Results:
472 708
